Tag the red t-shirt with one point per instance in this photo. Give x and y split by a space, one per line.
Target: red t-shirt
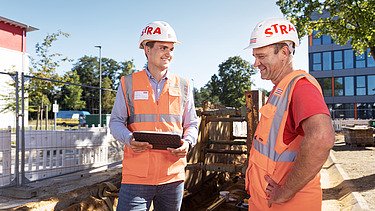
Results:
306 102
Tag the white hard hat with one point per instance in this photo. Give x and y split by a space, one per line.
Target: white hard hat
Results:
157 31
274 30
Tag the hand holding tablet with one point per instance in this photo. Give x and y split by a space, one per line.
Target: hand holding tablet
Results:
159 140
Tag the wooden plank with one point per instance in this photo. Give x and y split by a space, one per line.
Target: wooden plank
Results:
221 112
227 142
225 151
225 119
216 204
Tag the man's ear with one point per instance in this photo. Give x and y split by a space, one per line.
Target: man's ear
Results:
285 51
147 48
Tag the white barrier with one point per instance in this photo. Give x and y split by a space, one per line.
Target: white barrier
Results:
5 157
54 153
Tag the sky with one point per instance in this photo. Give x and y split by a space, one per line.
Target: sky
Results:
211 31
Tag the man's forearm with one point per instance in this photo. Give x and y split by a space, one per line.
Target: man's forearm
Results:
307 165
314 151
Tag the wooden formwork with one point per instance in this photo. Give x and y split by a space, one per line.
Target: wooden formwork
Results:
220 156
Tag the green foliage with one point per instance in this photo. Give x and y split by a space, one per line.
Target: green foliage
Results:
229 85
42 92
346 21
204 94
9 97
127 68
110 69
87 68
109 96
71 94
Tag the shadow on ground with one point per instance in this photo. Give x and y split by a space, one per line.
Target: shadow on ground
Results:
347 186
341 146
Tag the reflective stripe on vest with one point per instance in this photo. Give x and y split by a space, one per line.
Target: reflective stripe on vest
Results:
154 118
269 155
134 118
145 113
281 103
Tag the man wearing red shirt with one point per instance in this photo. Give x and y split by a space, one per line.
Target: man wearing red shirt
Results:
295 134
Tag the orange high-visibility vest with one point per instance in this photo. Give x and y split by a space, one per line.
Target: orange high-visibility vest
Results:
270 156
153 167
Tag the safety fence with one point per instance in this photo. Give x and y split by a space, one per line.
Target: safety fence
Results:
5 157
53 153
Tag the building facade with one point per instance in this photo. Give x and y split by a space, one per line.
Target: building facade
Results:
13 58
347 78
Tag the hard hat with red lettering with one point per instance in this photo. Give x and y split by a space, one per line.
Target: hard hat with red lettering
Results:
274 30
157 31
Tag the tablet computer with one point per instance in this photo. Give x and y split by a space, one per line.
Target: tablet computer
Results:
159 140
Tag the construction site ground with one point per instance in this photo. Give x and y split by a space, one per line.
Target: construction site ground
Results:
354 186
347 179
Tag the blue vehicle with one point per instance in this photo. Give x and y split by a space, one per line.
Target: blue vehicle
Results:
71 118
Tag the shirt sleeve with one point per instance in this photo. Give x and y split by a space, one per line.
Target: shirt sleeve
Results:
190 120
306 101
118 121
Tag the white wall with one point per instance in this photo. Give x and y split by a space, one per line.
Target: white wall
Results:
11 61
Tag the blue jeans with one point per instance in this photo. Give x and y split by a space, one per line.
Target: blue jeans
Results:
138 197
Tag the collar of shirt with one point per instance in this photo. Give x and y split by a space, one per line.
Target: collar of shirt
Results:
165 77
157 86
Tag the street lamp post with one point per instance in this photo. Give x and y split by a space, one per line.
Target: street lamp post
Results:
100 83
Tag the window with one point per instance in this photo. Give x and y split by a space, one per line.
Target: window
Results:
326 39
316 40
360 85
343 111
337 60
327 61
322 40
317 62
339 86
349 110
360 61
370 59
326 84
349 86
348 58
371 85
365 110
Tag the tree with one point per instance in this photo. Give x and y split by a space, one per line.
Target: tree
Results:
41 92
234 80
345 21
204 94
210 92
108 96
87 68
229 85
71 94
110 69
127 68
9 97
